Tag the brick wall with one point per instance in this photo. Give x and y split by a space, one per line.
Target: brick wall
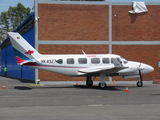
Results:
73 49
73 22
136 27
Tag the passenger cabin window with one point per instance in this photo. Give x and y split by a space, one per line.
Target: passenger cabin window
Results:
70 61
105 60
95 60
82 60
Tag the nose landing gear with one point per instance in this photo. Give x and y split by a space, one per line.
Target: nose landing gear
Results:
140 83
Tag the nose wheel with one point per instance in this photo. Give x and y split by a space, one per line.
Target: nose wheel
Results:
139 84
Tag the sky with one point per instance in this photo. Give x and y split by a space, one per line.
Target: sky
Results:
4 4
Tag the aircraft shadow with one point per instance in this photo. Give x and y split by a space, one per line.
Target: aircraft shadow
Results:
22 88
111 88
40 87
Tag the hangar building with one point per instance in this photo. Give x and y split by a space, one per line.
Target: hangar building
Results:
66 27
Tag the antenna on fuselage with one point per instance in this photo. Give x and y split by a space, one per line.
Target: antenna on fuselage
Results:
83 52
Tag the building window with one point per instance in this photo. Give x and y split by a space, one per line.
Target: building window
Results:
70 61
95 60
82 60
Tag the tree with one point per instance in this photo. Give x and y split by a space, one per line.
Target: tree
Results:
12 18
4 25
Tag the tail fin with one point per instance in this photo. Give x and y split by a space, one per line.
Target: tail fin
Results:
24 51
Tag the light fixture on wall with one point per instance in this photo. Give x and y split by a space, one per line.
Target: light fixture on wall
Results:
36 18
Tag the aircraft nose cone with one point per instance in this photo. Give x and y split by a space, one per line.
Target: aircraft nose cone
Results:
147 68
151 68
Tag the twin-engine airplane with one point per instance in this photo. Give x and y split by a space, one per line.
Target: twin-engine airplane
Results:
88 65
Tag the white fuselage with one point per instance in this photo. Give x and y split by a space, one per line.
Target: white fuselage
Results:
70 65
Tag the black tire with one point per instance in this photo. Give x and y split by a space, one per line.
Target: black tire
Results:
139 84
89 83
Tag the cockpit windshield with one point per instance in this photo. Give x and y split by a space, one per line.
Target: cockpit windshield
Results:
124 60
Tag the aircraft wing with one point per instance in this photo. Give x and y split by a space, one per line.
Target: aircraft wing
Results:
108 69
96 69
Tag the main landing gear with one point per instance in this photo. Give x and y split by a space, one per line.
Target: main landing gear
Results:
102 83
89 81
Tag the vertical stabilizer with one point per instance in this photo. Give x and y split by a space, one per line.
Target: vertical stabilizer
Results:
23 50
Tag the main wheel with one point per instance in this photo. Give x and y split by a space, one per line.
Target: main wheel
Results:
89 83
139 84
102 85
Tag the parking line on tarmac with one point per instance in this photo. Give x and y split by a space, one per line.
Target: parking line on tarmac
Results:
95 105
98 105
36 85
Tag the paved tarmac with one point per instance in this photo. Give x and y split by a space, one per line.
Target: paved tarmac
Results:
25 101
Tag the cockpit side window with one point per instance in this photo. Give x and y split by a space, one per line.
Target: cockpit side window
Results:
124 60
119 60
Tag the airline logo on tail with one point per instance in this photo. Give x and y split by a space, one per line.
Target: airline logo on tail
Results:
21 58
29 52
